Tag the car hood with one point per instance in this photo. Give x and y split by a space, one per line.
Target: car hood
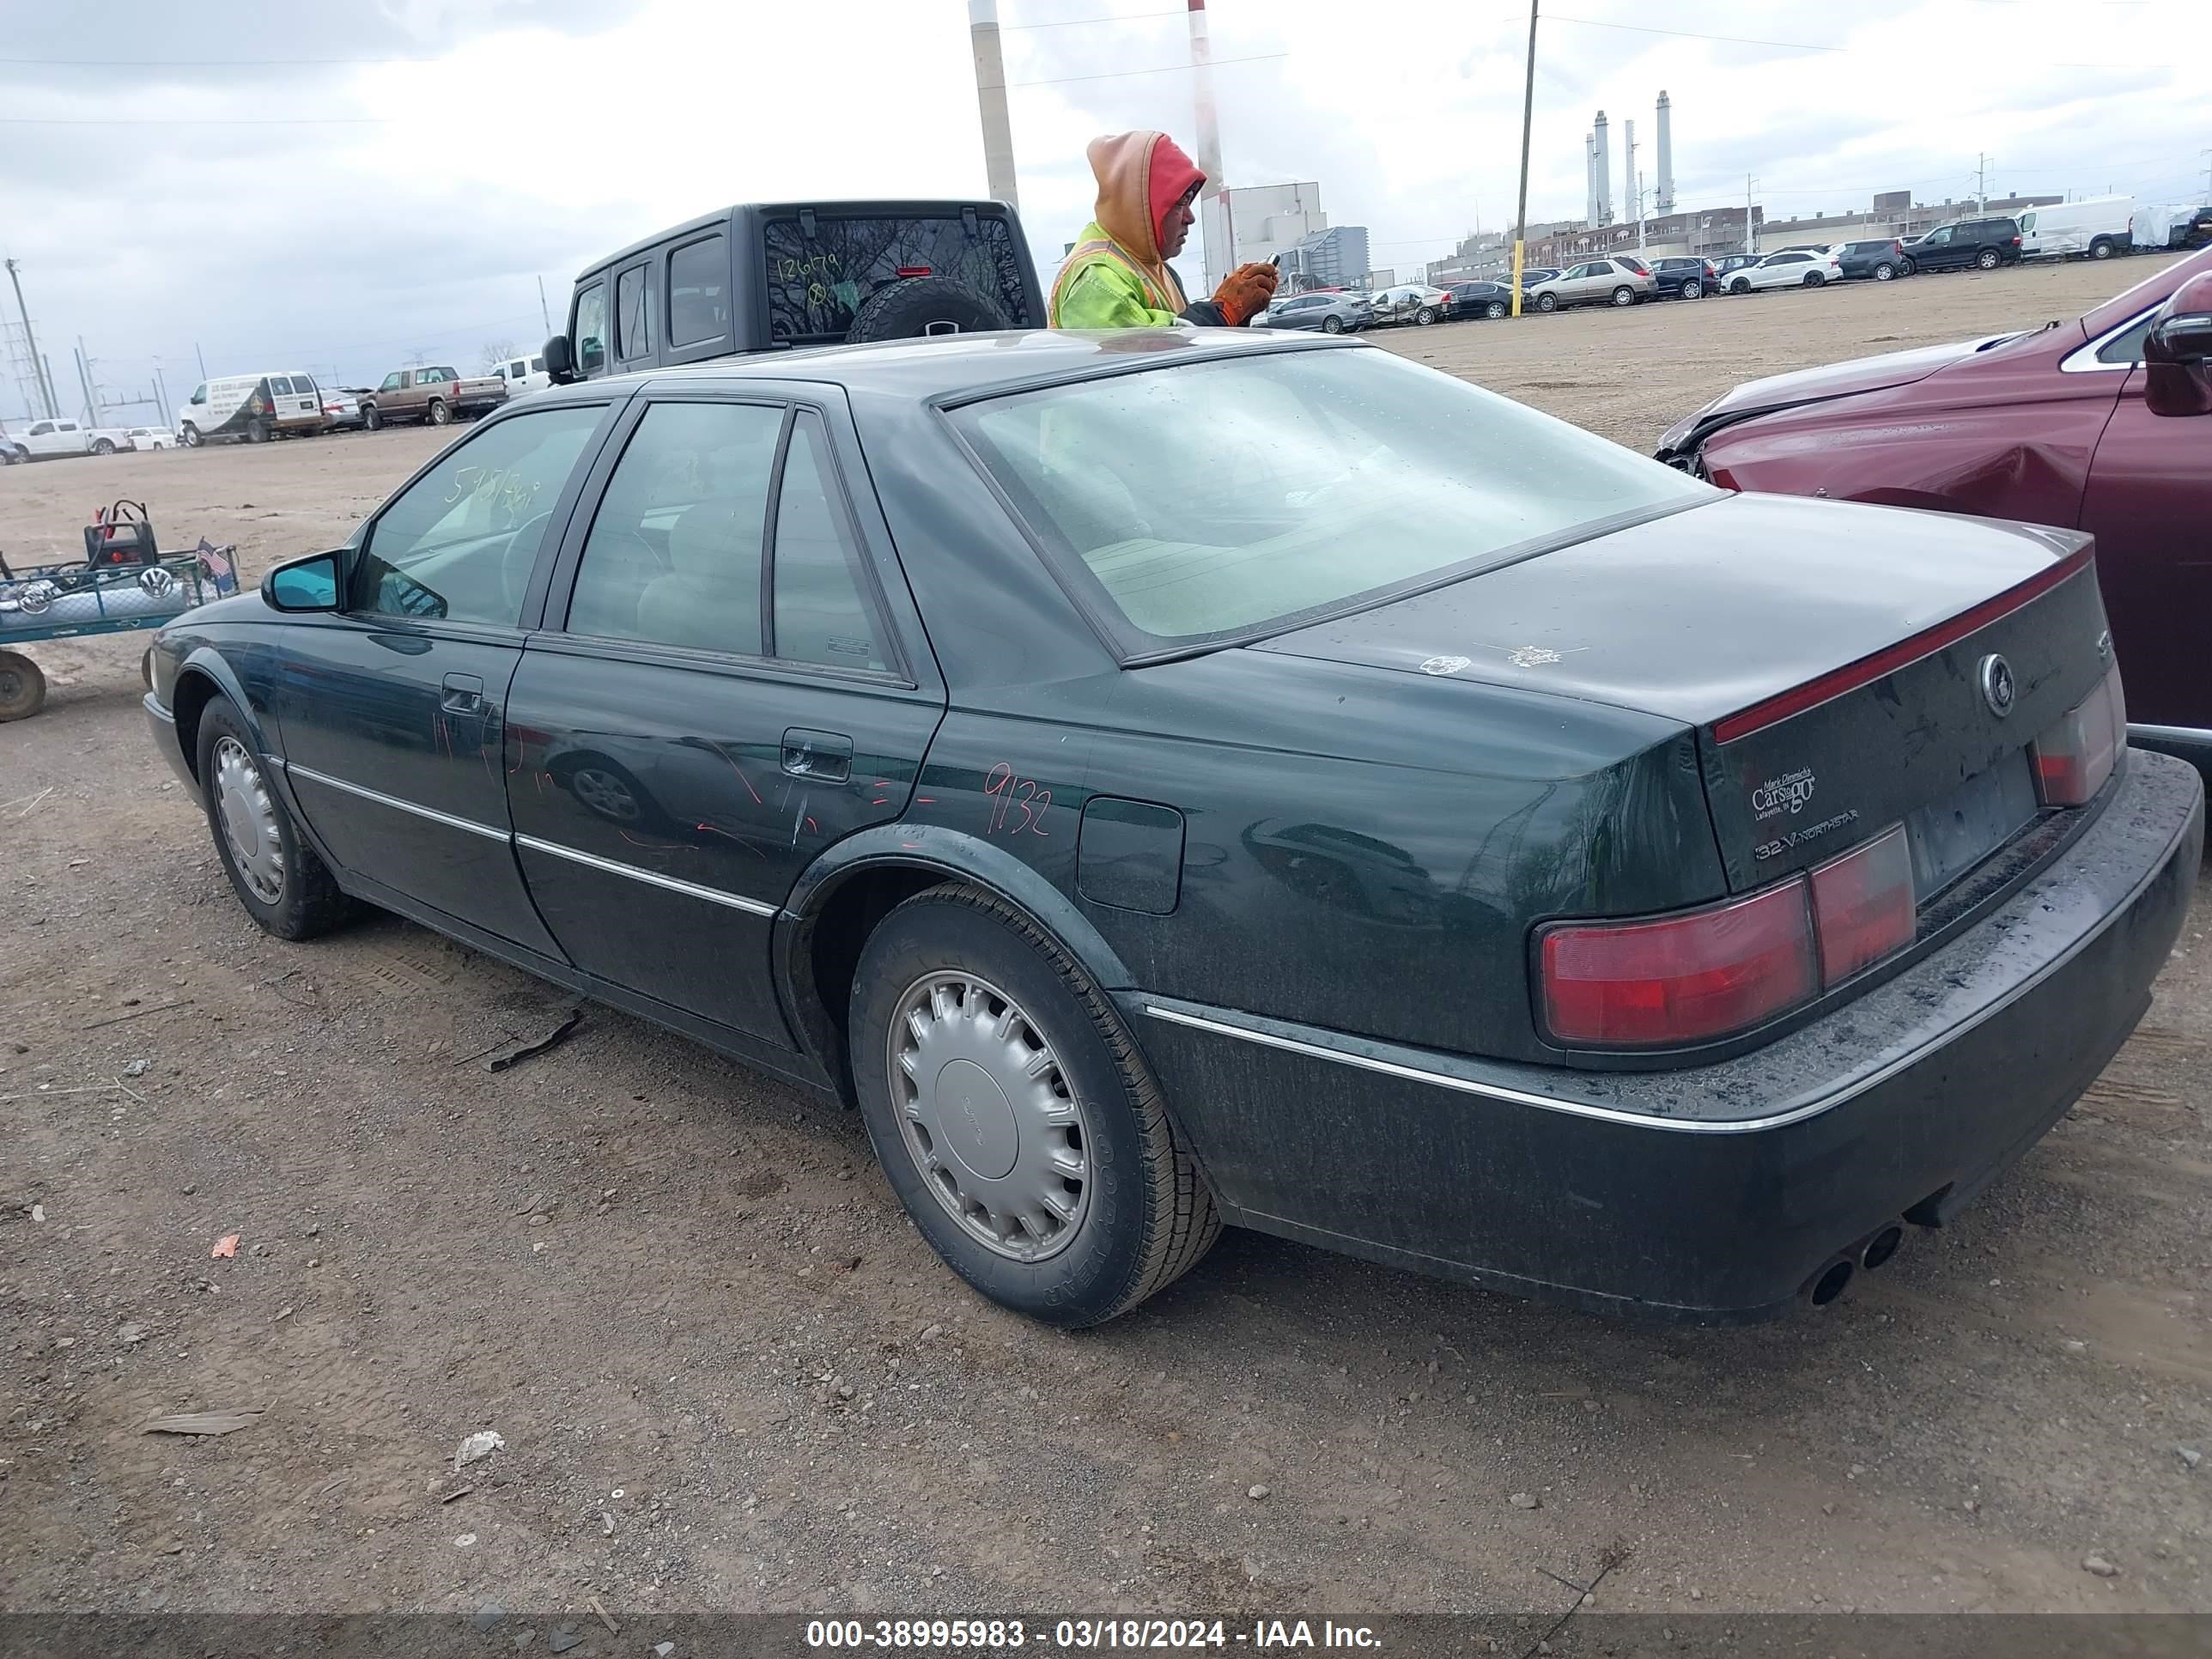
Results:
1698 614
1808 385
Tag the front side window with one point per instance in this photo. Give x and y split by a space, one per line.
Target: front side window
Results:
589 331
1195 504
2127 346
199 393
633 315
459 543
391 382
1939 236
674 553
537 365
699 292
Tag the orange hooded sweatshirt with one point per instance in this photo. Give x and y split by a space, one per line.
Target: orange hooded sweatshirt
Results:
1115 277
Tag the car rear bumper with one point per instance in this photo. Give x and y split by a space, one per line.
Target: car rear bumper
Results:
1713 1193
161 726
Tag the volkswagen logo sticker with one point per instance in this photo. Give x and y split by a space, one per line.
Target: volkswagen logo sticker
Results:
1998 689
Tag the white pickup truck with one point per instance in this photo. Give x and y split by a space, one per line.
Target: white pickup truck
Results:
44 439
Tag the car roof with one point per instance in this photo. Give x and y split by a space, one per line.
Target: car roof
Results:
932 366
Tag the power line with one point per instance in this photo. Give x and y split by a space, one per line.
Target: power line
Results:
1168 68
1078 22
1793 45
197 121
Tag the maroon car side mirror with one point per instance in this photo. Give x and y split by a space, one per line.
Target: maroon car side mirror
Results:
2177 352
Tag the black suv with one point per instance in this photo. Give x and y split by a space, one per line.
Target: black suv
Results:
1882 261
1684 279
1984 244
762 276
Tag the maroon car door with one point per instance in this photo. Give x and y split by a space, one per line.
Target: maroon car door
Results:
2149 505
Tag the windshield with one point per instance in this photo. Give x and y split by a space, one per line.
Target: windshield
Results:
1191 505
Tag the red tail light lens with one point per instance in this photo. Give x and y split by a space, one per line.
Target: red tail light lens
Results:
1680 979
1862 906
914 270
2076 755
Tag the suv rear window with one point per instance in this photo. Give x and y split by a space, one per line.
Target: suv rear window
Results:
815 283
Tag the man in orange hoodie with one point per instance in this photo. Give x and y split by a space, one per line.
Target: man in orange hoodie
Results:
1117 276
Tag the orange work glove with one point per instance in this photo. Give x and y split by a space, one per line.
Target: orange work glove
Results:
1244 292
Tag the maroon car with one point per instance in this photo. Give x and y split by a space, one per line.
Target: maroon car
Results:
2103 423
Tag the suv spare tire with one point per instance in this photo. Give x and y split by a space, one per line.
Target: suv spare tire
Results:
925 305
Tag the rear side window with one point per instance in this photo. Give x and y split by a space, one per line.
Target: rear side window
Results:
816 283
589 331
699 292
820 614
537 365
633 315
280 386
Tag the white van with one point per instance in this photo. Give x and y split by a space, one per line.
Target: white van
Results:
524 375
2097 228
254 407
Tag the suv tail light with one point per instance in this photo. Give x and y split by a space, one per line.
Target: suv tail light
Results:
2076 756
2015 241
1709 973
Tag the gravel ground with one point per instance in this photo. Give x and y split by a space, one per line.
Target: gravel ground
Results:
728 1374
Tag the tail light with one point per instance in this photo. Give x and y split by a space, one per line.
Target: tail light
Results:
2076 756
1712 972
2015 241
914 270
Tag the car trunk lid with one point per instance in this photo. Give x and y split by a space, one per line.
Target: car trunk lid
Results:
1831 656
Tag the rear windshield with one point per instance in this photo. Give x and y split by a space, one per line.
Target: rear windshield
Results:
1201 502
815 283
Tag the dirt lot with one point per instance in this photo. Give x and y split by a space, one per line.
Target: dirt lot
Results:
728 1374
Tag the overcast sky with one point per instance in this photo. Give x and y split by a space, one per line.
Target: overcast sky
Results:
344 188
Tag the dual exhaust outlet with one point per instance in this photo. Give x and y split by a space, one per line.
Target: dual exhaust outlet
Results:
1870 1253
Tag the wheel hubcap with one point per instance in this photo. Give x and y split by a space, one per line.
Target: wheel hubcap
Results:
249 821
988 1116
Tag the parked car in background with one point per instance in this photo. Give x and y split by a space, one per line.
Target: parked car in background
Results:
44 441
436 394
524 375
2170 227
2102 423
151 437
1491 300
253 407
1879 261
1412 302
1790 268
1532 275
1984 244
2096 229
1594 282
1688 278
1331 314
12 451
1731 263
340 407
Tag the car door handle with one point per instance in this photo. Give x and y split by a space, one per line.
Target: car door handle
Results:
825 756
464 694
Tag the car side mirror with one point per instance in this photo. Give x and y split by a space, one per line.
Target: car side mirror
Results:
560 362
304 584
2177 352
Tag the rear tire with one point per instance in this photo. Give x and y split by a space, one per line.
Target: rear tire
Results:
1988 258
1495 309
439 413
2100 249
961 1003
22 687
256 432
1694 289
286 889
1624 295
1813 279
1425 316
1885 272
1332 325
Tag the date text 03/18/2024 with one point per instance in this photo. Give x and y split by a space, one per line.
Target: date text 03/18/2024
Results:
994 1635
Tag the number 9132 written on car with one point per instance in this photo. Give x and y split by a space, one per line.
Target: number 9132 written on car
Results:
1002 1634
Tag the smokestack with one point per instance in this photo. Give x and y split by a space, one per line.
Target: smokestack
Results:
991 99
1665 204
1589 179
1603 139
1629 206
1213 217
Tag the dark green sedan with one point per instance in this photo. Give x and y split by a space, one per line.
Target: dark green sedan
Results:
1176 777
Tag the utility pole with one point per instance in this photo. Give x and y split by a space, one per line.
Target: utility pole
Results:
543 315
161 390
991 102
201 355
1528 116
31 345
84 380
1981 182
1750 242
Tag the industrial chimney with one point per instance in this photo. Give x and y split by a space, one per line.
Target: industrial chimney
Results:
1632 202
1604 158
1214 221
991 99
1589 179
1665 204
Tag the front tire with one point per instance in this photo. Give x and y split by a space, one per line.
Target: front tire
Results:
284 886
192 435
1547 302
372 417
439 413
1014 1117
102 447
22 687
